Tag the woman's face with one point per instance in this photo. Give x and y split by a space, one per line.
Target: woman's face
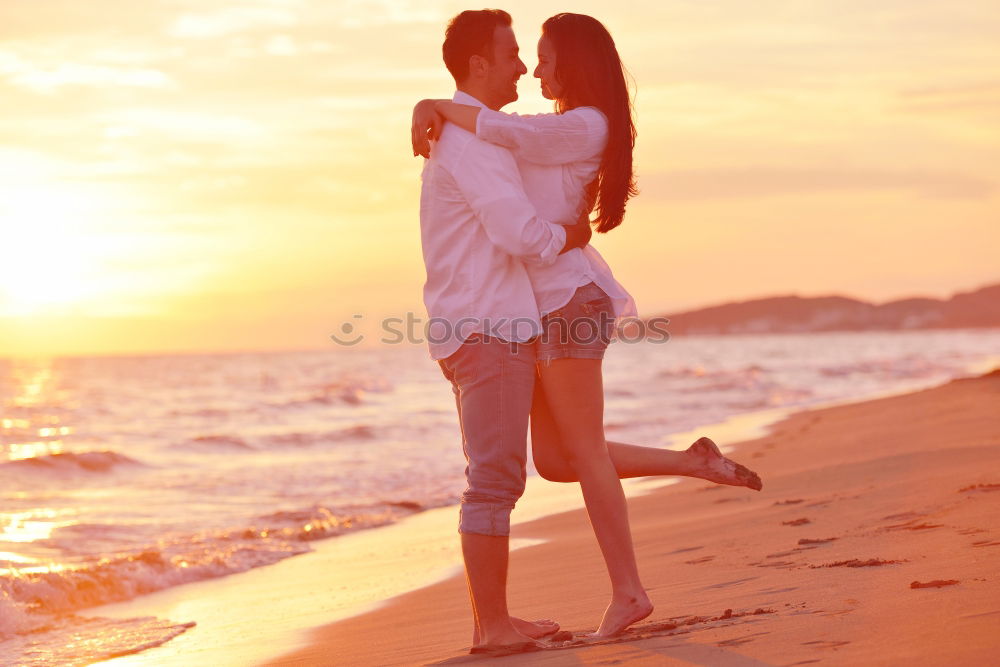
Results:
546 70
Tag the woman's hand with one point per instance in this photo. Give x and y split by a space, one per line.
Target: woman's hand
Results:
426 126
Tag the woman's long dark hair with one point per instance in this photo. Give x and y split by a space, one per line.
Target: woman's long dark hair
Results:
591 74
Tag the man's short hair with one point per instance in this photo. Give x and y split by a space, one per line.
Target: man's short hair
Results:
471 34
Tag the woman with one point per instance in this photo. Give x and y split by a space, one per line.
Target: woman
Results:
574 161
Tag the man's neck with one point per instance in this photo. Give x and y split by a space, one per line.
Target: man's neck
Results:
480 95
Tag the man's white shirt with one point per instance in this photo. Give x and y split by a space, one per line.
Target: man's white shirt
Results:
478 228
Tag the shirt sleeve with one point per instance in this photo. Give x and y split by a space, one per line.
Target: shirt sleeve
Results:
491 183
551 138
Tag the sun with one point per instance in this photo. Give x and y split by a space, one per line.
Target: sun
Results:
49 262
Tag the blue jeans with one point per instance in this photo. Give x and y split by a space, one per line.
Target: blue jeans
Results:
493 381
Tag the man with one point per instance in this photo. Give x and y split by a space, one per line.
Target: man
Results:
477 227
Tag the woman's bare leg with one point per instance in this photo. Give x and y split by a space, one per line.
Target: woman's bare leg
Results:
702 459
575 396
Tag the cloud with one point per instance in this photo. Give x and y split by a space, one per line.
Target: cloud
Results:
749 182
46 79
230 20
982 95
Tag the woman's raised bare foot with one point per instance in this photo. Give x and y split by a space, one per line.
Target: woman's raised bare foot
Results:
710 464
622 613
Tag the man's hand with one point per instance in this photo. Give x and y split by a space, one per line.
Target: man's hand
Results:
426 126
578 234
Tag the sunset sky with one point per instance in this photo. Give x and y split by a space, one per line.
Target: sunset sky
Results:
236 175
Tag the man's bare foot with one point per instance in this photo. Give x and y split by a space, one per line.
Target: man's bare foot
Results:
535 629
506 641
710 464
622 613
530 629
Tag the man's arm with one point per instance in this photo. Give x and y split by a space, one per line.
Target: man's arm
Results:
490 181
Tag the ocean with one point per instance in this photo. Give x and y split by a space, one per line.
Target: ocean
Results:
120 476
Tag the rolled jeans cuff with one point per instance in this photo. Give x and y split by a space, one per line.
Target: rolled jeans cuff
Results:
484 518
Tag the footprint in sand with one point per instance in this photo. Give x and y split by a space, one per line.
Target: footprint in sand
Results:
683 549
820 643
937 583
855 562
909 525
734 582
980 487
698 561
567 640
796 522
745 639
775 591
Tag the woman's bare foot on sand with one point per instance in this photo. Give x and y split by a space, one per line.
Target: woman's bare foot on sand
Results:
622 613
710 464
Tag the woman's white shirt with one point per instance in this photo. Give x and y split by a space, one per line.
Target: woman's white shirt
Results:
558 155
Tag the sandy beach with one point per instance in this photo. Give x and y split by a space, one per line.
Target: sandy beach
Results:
875 541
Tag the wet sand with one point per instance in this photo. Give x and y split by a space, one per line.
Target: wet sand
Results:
876 540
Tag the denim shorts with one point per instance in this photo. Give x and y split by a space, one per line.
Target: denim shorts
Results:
581 329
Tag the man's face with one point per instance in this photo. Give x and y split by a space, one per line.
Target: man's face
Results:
505 69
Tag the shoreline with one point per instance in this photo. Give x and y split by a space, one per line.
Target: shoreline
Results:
205 600
719 545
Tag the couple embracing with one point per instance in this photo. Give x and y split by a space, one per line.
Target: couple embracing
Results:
526 307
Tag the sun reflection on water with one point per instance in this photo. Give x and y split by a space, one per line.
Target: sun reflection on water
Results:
33 569
34 382
19 451
12 557
25 526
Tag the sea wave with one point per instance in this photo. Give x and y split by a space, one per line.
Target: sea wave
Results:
216 441
63 462
228 443
347 391
298 439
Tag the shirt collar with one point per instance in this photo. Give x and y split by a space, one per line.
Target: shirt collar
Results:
461 97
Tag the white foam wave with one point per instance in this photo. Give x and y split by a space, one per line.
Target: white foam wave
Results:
31 594
77 640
